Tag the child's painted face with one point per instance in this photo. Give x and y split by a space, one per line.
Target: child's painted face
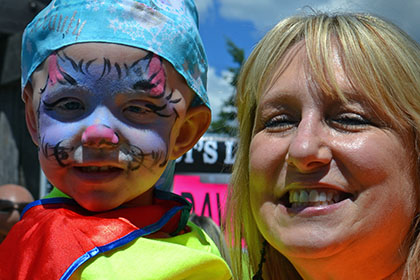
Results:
107 116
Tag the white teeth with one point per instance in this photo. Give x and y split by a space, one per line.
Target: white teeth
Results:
303 197
96 168
322 197
329 196
313 197
295 196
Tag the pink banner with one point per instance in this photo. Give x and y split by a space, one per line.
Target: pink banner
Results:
207 199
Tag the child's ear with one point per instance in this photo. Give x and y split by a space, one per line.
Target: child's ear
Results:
195 124
30 114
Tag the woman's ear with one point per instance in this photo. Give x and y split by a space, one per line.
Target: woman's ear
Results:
30 114
195 124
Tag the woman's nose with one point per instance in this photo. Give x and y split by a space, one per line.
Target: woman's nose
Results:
309 148
99 136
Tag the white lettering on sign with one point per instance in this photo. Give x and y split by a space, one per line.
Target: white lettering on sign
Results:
189 157
229 158
210 152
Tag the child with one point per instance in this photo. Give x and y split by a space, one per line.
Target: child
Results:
114 90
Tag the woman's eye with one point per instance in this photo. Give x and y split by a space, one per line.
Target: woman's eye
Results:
282 122
351 121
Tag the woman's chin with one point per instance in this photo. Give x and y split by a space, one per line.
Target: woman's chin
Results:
311 249
310 241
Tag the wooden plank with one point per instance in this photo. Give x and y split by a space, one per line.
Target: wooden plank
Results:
9 167
16 142
11 61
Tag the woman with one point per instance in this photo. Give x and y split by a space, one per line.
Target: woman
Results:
326 179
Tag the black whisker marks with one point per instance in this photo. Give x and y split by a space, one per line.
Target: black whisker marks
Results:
157 109
175 101
107 68
118 68
69 78
60 57
127 70
176 113
88 65
61 153
73 63
80 65
143 85
41 90
149 57
170 95
135 63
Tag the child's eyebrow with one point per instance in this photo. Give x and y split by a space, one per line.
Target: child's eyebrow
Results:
67 77
143 84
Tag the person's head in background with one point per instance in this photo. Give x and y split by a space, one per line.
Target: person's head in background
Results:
327 166
111 101
13 199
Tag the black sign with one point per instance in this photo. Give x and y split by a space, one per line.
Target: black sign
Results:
209 155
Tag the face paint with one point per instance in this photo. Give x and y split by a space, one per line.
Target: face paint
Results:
99 116
99 135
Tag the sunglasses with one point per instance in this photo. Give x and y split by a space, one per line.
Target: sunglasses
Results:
7 206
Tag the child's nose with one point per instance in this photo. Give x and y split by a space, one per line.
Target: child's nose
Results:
99 136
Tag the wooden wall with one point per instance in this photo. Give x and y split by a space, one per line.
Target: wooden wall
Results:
18 155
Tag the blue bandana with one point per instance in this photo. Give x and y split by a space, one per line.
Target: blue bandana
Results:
168 28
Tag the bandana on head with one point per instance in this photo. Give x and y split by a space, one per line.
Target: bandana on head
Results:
168 28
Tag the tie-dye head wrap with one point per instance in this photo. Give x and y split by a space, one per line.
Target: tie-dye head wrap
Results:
168 28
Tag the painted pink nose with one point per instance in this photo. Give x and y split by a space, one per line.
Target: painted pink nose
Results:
99 135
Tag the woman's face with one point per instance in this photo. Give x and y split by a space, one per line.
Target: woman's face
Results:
328 177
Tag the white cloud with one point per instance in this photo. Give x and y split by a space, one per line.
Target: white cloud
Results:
266 13
204 7
263 13
218 89
404 14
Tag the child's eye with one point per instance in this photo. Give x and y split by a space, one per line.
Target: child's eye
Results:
135 109
280 122
72 105
65 105
137 113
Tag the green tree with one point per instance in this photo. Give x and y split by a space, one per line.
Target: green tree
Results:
226 120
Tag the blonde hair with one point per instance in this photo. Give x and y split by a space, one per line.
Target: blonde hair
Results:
381 61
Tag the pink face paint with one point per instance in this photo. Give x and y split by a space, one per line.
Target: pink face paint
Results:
156 69
53 71
99 134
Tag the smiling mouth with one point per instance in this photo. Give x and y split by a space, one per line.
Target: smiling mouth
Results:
302 198
96 169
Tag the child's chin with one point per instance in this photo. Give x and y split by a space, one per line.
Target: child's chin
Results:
100 205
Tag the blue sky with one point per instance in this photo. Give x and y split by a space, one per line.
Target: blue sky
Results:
246 21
